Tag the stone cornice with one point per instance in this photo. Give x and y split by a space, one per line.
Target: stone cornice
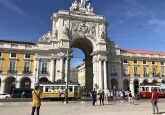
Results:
89 18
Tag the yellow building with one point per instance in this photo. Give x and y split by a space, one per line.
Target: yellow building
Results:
141 67
16 65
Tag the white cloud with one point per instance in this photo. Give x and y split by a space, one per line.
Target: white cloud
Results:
13 7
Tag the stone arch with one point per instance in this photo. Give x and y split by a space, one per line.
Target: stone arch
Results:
126 84
25 82
43 80
145 81
163 81
86 45
10 84
154 81
136 86
114 84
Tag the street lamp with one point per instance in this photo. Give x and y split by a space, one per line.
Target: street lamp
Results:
66 86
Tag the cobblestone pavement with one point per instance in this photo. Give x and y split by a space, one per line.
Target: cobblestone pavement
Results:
82 108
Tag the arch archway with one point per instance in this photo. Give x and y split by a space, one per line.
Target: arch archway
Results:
25 82
114 84
86 46
126 84
136 86
155 81
145 81
43 80
10 84
163 81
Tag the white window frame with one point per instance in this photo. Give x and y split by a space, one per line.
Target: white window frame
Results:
137 72
15 65
146 70
29 66
25 56
13 57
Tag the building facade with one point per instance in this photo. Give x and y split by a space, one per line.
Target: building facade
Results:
106 66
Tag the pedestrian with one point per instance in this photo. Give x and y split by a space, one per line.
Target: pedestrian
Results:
36 100
94 94
130 98
154 101
101 97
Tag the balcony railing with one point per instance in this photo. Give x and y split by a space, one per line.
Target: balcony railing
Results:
146 75
27 72
113 74
43 72
12 71
137 75
126 75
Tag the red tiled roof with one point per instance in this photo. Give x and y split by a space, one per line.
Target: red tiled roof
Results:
142 52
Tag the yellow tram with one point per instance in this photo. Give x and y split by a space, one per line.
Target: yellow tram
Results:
57 91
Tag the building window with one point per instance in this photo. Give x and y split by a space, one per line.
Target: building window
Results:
153 71
44 68
145 72
13 55
27 56
135 61
126 70
161 63
135 70
27 66
144 62
125 61
153 62
12 66
162 72
113 71
0 54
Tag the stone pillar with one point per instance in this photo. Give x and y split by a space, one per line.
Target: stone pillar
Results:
105 75
37 70
52 70
100 75
131 86
2 90
94 74
66 69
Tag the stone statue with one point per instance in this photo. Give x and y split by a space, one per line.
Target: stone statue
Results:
83 3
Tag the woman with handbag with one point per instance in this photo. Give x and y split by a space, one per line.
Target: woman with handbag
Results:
36 100
154 101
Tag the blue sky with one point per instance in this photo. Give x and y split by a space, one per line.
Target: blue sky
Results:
133 24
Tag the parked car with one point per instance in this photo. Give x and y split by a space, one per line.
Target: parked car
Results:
4 96
22 93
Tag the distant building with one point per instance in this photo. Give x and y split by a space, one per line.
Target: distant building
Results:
74 75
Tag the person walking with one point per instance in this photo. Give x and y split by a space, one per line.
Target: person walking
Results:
101 97
130 98
94 94
36 100
154 101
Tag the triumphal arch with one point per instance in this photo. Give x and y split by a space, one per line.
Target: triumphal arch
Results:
79 28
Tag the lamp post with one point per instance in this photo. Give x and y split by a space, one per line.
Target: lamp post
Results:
66 86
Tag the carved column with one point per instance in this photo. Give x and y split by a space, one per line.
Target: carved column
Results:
52 70
100 75
105 75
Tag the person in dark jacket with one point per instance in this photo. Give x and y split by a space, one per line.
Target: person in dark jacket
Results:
94 94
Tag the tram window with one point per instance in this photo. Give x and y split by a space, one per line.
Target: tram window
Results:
46 89
147 88
70 88
76 88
